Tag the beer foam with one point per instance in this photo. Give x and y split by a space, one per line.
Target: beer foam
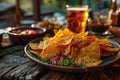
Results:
77 8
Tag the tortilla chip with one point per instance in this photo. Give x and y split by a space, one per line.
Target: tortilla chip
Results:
50 51
104 42
109 49
34 46
74 53
90 54
36 52
106 53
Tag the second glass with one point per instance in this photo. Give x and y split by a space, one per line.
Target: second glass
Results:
77 18
99 25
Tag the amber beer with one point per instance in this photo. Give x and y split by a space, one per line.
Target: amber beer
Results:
76 18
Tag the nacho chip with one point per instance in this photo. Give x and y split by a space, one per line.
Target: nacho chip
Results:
90 55
74 53
109 49
67 51
37 52
104 42
43 44
34 46
50 51
106 53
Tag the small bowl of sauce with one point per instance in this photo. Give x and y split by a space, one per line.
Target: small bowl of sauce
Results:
23 35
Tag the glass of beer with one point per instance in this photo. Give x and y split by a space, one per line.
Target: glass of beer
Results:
77 17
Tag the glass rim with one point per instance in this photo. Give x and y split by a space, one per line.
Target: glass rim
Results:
86 6
77 7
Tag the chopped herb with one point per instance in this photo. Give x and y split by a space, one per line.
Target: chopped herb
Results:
45 59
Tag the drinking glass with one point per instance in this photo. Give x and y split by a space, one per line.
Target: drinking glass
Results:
77 17
99 25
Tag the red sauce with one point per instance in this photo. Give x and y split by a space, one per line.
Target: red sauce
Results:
25 31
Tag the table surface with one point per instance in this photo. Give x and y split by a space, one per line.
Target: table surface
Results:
15 65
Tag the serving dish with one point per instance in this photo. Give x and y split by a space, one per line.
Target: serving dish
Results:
107 61
23 35
48 25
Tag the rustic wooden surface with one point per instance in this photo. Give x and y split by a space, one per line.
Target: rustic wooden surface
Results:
15 65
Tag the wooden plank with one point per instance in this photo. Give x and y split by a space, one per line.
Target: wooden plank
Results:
57 75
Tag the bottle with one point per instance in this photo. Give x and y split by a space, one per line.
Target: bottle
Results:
113 14
118 22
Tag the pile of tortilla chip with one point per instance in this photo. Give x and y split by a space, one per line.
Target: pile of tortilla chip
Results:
78 47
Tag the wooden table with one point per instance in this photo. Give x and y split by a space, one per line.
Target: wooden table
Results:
15 65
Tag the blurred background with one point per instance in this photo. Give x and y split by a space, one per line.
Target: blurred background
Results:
13 11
